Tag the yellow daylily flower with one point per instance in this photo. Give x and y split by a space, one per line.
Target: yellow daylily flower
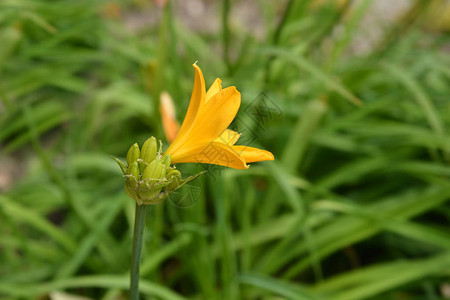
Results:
204 137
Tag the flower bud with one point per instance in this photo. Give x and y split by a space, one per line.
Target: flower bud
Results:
133 154
149 178
131 181
149 150
153 180
174 178
168 118
133 170
155 170
166 161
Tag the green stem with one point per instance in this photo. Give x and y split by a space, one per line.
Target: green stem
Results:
226 34
276 38
139 224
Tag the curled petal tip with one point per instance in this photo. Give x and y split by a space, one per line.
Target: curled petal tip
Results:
197 68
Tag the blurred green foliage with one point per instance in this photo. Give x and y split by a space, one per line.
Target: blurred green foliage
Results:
354 206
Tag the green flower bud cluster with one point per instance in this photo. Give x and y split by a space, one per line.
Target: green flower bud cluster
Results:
149 178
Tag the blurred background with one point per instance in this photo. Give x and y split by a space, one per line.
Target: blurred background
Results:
352 97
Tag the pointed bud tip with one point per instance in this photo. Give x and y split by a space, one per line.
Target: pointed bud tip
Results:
133 154
149 150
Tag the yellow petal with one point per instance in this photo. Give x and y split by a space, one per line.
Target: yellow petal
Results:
216 116
197 101
250 154
211 121
228 137
211 153
214 89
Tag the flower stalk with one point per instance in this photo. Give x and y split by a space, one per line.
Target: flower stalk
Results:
139 224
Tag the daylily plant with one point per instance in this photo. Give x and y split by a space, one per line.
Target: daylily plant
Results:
204 137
